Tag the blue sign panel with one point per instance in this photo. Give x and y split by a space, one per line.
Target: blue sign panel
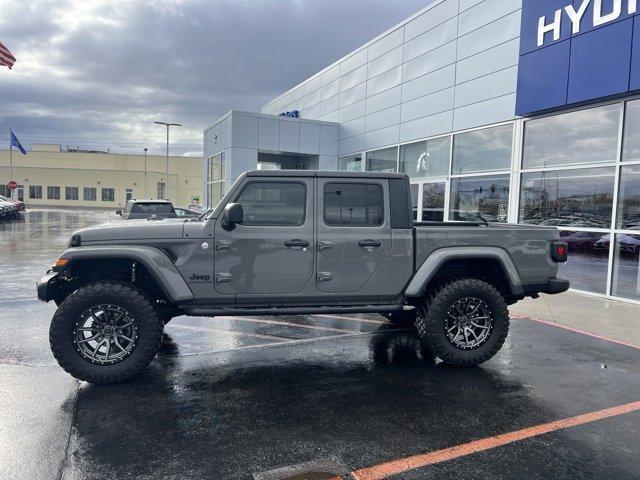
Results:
574 51
293 114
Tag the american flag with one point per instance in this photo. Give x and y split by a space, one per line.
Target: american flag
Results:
5 57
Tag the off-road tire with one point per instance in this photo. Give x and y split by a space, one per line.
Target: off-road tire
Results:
401 319
430 321
127 296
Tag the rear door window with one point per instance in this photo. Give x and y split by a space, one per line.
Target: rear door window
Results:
353 204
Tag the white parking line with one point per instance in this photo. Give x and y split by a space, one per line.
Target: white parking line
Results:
289 324
355 319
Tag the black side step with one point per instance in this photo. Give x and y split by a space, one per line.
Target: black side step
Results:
200 311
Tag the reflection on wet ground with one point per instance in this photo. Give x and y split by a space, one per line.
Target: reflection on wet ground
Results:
229 398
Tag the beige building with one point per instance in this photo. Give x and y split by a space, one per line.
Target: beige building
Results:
50 176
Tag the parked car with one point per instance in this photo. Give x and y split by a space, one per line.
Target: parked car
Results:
295 243
10 208
581 241
155 209
187 212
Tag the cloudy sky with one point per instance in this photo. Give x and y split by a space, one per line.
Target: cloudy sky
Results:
97 73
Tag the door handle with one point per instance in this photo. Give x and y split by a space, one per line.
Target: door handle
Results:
370 243
297 243
324 244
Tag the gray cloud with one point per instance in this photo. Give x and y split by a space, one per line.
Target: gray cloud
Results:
97 73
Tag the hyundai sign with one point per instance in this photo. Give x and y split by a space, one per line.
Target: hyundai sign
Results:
577 51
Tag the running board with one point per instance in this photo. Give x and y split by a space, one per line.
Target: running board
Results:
311 310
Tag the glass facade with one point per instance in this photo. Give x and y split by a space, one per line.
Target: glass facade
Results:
488 149
573 198
427 159
216 179
480 198
385 160
584 136
350 163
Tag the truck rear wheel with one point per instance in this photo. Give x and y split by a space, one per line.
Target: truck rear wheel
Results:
464 322
105 332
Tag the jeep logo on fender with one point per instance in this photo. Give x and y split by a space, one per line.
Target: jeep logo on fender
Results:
199 278
575 15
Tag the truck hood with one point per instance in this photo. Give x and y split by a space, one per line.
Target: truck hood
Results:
132 230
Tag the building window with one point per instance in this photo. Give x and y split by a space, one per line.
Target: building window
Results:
273 203
216 175
631 143
5 191
35 192
385 160
71 193
53 193
483 150
426 159
573 198
128 193
89 194
480 198
585 136
350 163
353 204
588 260
629 198
415 194
433 202
108 195
626 266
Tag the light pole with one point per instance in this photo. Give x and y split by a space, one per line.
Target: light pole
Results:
145 173
166 124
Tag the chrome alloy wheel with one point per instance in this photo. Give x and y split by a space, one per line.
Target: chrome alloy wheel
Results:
469 323
105 334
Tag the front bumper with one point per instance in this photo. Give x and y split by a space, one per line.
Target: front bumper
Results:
44 286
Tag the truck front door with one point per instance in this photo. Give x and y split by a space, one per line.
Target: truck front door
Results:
354 233
271 252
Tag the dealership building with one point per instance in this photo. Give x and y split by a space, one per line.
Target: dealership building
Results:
521 111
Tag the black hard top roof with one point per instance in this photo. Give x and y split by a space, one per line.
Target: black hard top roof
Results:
325 174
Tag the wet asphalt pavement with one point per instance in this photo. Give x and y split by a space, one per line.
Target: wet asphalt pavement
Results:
242 398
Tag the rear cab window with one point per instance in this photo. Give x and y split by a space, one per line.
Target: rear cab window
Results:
152 208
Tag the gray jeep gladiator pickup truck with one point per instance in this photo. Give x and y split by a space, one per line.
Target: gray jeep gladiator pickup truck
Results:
294 242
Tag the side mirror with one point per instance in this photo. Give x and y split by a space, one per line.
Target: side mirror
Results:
119 212
232 215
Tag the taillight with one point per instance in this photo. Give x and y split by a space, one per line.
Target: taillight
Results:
559 251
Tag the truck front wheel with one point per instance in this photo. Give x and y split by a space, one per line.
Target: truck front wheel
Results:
464 322
105 332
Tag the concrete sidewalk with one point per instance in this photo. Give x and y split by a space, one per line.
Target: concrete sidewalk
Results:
609 318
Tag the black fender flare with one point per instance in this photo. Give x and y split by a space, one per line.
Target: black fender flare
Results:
420 281
159 266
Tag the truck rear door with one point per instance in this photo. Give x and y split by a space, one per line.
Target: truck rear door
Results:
353 233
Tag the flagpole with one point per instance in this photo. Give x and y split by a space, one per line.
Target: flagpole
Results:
11 158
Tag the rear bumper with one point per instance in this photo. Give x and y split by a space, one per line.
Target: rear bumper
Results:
557 285
552 287
44 286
